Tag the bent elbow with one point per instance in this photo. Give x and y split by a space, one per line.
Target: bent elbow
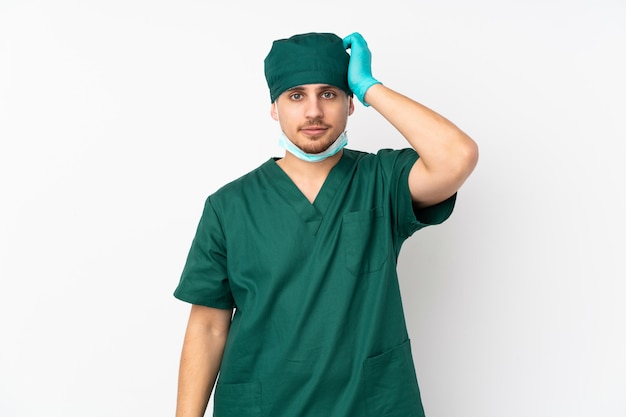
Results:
468 157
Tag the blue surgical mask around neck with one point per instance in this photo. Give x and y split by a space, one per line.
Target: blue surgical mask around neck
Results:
290 147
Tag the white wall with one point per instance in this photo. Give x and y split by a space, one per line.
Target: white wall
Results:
116 120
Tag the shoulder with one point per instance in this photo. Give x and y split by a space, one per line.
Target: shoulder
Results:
243 182
233 193
380 154
386 158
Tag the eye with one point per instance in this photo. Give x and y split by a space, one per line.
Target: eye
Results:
295 96
329 94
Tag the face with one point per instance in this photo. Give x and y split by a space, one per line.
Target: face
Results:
313 115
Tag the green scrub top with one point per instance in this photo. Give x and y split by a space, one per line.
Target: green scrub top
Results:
318 328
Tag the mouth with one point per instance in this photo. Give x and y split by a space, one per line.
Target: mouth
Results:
314 130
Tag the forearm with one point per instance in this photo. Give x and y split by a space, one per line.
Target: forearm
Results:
200 361
437 140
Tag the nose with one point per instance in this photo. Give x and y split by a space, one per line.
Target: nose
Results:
313 108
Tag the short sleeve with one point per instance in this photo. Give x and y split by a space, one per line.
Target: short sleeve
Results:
204 279
436 214
397 165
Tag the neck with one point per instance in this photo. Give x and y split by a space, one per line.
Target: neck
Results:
291 163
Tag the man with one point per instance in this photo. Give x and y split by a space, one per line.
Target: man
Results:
303 249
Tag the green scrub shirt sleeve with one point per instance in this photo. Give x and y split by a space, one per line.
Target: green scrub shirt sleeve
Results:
397 164
436 214
204 280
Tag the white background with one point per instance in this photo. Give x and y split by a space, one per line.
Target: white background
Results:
118 118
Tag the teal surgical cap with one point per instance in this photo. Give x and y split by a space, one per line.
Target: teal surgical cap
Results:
309 58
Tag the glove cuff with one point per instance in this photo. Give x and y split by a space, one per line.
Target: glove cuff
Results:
362 88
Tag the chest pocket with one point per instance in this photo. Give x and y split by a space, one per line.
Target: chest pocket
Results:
366 240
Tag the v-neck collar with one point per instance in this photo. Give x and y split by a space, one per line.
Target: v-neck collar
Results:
311 213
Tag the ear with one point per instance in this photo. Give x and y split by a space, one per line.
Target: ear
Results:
274 111
350 106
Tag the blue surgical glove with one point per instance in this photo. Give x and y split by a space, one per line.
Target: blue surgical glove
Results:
360 67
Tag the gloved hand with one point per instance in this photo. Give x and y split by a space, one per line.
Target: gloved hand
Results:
360 67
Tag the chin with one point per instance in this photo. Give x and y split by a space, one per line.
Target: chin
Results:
315 149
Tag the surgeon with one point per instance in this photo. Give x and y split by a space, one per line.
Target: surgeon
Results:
291 276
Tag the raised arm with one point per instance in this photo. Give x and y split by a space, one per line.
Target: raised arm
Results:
447 155
205 338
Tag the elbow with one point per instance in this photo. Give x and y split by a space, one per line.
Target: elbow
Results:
470 155
467 155
465 160
460 160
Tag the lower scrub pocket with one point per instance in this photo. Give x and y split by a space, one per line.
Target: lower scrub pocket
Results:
237 400
391 388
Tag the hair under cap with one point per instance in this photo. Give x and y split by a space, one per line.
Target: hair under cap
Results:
309 58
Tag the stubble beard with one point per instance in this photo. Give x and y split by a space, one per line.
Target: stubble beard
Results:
317 144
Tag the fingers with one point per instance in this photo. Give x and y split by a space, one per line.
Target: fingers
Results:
347 41
354 39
